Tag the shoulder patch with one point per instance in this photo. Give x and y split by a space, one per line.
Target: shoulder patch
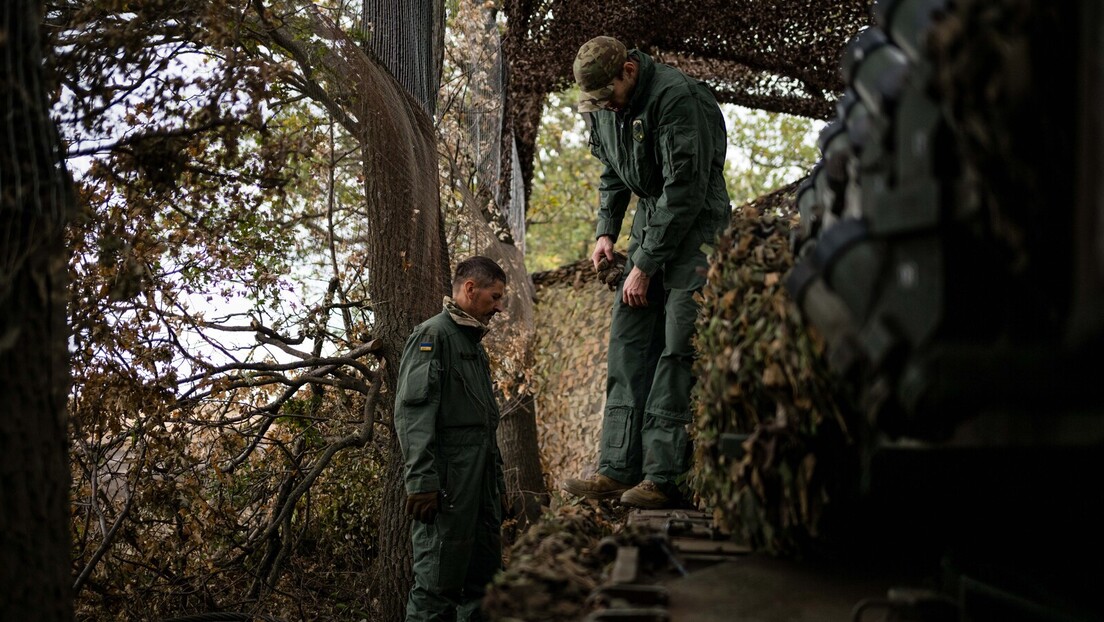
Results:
638 130
426 346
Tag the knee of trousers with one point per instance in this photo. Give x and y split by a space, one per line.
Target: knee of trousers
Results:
440 563
667 418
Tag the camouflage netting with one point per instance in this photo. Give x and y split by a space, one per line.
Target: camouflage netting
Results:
778 56
761 375
553 569
407 37
781 56
572 324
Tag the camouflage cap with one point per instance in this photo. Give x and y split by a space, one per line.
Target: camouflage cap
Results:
598 62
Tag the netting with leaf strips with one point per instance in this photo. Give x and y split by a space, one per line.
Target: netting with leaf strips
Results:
570 368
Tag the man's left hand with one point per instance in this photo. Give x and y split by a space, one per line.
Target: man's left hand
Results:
635 290
423 506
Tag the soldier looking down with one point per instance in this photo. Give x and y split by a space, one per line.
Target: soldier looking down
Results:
661 136
446 417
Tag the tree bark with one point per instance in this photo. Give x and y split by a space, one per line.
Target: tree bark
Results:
407 261
517 430
35 202
517 439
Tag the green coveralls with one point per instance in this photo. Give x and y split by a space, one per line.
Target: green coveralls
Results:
668 148
446 418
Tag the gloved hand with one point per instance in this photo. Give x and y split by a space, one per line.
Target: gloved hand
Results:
423 506
609 273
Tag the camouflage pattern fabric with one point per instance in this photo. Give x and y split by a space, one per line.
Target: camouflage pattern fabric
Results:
598 62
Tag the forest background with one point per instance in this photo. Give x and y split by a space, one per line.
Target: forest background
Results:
229 319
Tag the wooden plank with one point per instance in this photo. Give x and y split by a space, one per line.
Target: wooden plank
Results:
696 546
626 566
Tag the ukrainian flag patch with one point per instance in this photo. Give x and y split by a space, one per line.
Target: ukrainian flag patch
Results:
426 346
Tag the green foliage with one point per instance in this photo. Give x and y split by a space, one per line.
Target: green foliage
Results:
562 211
767 150
221 235
211 189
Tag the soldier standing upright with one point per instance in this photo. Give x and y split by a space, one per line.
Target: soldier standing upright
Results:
661 136
446 418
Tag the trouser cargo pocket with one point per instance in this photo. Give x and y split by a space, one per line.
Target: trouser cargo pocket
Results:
615 435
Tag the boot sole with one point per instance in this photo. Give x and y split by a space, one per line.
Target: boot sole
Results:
600 496
644 505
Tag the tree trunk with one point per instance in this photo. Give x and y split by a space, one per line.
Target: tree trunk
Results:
517 431
407 37
35 202
408 268
394 570
404 243
517 439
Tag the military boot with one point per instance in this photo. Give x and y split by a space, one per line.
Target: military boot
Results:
645 495
597 487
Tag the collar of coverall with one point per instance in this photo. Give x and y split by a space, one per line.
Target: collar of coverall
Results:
643 79
462 318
